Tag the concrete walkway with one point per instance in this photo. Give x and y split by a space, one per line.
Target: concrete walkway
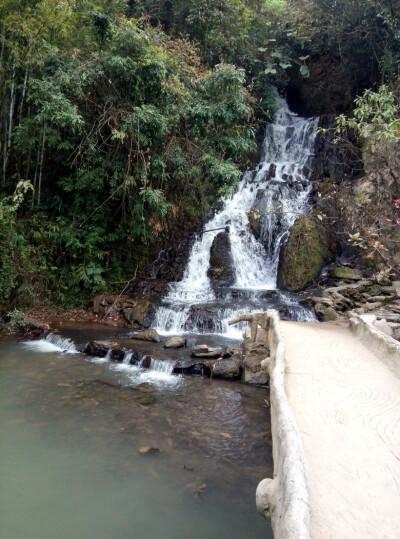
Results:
347 406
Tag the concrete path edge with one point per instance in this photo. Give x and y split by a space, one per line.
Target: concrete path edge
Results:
285 498
384 347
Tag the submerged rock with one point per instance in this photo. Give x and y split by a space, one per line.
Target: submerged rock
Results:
147 335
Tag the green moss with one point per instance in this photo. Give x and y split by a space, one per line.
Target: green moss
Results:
304 255
346 273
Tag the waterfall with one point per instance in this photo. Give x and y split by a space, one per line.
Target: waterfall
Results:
52 343
277 190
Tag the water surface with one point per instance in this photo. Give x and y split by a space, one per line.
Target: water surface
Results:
70 456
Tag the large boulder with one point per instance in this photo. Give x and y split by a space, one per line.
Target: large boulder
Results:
221 270
306 251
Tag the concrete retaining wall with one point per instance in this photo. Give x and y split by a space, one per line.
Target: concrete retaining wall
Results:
285 498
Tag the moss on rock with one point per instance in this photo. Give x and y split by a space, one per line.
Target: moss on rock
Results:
341 272
304 255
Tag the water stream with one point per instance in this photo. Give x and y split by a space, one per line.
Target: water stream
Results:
277 188
70 450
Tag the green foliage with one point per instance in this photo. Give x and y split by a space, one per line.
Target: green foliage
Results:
376 117
124 136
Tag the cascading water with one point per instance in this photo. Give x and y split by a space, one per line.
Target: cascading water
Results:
274 193
52 343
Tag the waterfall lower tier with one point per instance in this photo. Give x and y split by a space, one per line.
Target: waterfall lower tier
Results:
231 273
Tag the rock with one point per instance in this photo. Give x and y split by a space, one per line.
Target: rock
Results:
174 342
117 355
342 272
255 221
325 313
306 251
230 369
190 342
396 286
255 352
97 348
200 348
147 335
145 362
137 311
221 270
206 353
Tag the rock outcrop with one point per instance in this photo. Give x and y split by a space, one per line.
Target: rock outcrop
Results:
134 312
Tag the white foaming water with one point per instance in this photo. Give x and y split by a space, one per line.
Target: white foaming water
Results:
52 343
278 188
159 373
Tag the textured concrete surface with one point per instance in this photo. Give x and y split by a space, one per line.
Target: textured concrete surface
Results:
346 403
284 499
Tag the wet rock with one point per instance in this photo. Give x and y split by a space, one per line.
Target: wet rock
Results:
221 270
117 355
341 272
230 369
174 342
255 221
147 335
97 348
146 362
205 351
136 358
305 253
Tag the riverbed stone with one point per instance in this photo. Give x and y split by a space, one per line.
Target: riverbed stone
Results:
147 335
174 342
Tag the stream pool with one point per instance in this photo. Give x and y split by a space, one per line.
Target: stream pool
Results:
85 452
